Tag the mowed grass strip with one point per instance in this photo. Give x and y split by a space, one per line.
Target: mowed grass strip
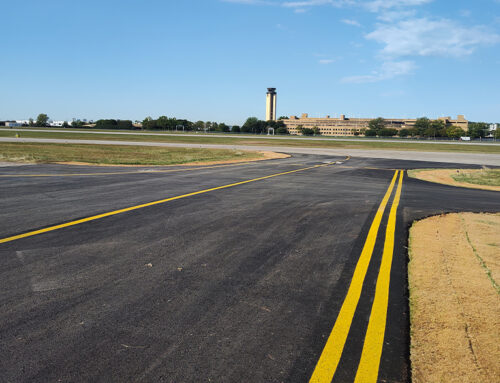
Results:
487 179
119 155
316 142
454 272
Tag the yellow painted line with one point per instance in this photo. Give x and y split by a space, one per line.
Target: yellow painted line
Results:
330 357
111 213
374 339
127 172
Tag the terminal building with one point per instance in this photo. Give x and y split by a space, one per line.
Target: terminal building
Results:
343 126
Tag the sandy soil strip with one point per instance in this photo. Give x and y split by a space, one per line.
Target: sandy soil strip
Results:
454 273
265 156
443 176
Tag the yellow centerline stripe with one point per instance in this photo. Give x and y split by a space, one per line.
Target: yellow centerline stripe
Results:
330 357
374 339
117 173
115 212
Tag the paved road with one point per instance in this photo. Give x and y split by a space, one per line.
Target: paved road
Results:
253 136
448 157
244 280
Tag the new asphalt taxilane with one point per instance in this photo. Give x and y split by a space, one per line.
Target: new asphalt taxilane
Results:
240 284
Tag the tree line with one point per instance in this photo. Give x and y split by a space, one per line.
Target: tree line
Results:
251 125
379 127
425 127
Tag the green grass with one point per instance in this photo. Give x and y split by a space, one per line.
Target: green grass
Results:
313 142
116 155
490 177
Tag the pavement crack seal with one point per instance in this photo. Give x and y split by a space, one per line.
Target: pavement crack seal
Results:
481 260
332 352
115 212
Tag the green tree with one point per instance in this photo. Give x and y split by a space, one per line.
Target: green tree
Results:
370 133
31 122
251 125
124 124
65 124
283 118
282 130
163 123
148 123
387 132
305 131
455 132
106 124
223 128
42 120
199 125
77 124
421 126
478 129
316 131
404 133
235 129
377 125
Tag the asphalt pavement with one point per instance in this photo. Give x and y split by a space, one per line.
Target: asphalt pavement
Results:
235 273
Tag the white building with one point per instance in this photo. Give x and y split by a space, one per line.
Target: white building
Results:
56 123
12 124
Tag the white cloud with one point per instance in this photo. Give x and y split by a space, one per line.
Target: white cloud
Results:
392 16
351 22
424 37
326 61
388 70
370 5
380 5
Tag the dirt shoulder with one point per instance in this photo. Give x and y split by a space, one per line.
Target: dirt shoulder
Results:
485 179
265 156
454 272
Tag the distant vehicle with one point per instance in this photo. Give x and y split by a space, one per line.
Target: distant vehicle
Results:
464 138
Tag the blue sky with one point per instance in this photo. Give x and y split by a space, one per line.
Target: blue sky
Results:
213 59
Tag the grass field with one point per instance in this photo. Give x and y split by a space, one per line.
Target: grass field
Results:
488 179
479 177
313 142
114 155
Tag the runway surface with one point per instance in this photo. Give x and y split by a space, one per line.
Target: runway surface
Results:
257 272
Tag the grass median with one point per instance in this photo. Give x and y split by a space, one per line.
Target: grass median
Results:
121 155
454 272
312 142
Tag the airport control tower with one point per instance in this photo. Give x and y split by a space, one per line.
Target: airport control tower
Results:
271 104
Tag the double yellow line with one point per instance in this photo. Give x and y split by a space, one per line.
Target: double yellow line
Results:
115 212
372 350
